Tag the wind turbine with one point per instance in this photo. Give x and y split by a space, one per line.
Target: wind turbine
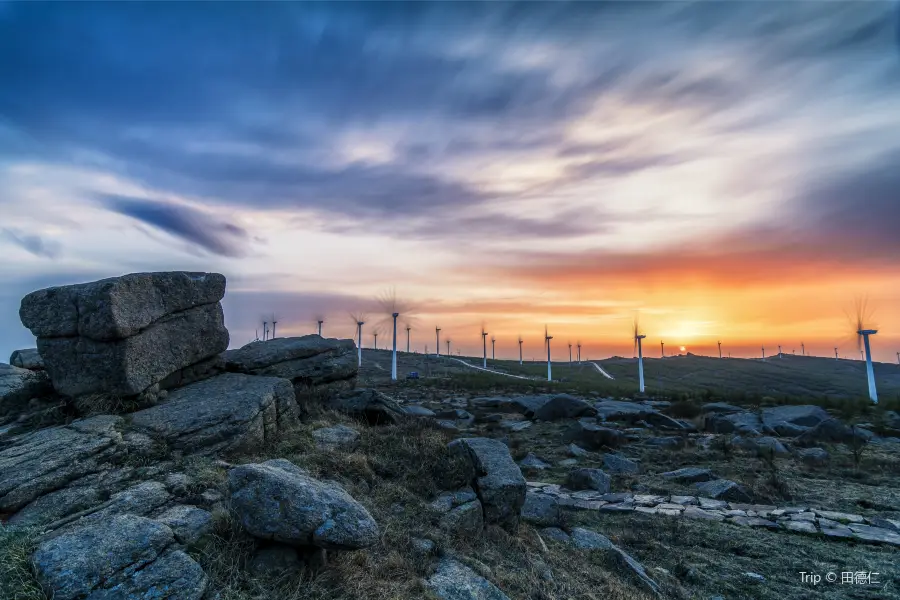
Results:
274 322
493 348
802 349
320 320
662 349
448 347
407 337
898 358
863 331
720 351
437 345
484 344
520 351
394 352
835 353
570 354
779 351
578 344
375 335
638 336
360 321
547 338
265 330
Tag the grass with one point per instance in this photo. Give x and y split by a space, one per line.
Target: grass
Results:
17 581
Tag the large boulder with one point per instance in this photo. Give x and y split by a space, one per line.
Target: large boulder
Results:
340 437
226 412
369 405
743 422
563 406
454 581
588 479
590 435
723 489
834 431
496 478
278 501
524 405
125 557
792 420
28 358
308 361
122 335
631 412
18 386
541 510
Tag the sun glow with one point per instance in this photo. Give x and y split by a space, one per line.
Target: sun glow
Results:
682 348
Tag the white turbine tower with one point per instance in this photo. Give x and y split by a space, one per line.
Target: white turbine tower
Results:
319 321
375 336
493 348
360 320
547 338
863 330
265 330
662 349
720 350
578 345
570 354
779 351
898 358
802 349
764 353
448 347
638 336
437 338
484 345
274 322
835 353
520 350
394 353
407 337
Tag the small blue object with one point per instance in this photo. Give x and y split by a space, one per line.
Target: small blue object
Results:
413 375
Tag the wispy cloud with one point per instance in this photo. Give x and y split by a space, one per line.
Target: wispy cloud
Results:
33 243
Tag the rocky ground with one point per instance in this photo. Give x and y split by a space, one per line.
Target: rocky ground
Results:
280 471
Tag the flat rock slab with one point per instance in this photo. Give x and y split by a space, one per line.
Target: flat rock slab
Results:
723 489
340 437
82 365
305 360
226 412
498 481
277 500
780 419
631 412
541 510
119 307
47 460
588 434
28 358
18 386
563 406
690 475
455 581
125 557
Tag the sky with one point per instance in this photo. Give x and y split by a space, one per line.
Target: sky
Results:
718 170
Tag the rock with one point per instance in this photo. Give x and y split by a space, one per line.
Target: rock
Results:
57 504
455 581
275 561
448 500
592 436
308 361
47 460
510 425
813 456
541 510
178 483
710 504
227 412
415 410
619 464
840 516
563 406
723 489
753 522
29 359
465 520
588 479
832 430
874 534
665 442
882 523
690 475
556 534
18 386
764 446
462 418
891 419
684 500
370 405
339 437
719 407
188 523
791 420
278 501
577 451
497 480
743 422
585 539
110 354
125 557
800 526
533 462
632 412
422 546
523 405
693 512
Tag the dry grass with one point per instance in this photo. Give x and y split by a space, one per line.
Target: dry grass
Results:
17 581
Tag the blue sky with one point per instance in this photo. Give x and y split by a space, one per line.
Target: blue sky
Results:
703 163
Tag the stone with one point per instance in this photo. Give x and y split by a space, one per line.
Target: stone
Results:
515 425
307 361
188 523
785 420
28 358
620 465
462 418
617 497
523 405
840 517
874 534
723 489
684 500
57 504
556 534
497 480
803 516
710 504
648 499
837 531
227 412
719 407
833 431
448 500
813 456
753 522
800 526
125 557
340 437
665 442
453 580
369 405
585 539
567 462
128 366
278 501
693 512
533 462
465 520
577 451
743 422
588 479
275 561
670 506
415 410
422 546
592 436
632 412
18 386
689 475
889 524
767 446
541 510
45 461
563 406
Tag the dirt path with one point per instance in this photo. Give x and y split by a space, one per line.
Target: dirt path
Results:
471 366
602 372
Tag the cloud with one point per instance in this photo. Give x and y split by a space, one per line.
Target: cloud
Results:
32 243
198 228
